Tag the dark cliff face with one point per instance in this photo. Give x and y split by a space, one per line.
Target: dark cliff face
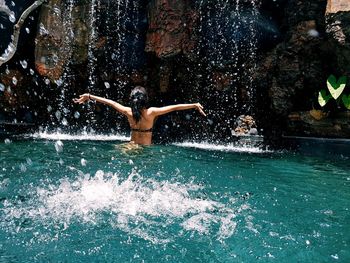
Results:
290 76
263 58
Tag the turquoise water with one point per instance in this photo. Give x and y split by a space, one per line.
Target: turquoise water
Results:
90 201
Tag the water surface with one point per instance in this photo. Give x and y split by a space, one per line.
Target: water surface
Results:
92 201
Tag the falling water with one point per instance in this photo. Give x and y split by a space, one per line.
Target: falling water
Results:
64 82
228 44
104 46
122 32
252 55
93 37
116 31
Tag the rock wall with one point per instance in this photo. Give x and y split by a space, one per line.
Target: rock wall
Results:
316 44
57 44
338 31
308 41
171 26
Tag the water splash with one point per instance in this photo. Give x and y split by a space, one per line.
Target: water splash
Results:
137 205
84 136
252 148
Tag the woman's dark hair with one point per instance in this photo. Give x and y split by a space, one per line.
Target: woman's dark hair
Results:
139 101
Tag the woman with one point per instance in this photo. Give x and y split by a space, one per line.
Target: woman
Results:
141 118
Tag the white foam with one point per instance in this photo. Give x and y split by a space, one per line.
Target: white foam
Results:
246 148
222 147
137 205
78 137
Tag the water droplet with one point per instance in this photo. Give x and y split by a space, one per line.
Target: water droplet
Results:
83 162
57 11
55 58
29 161
23 167
107 85
76 115
58 115
27 30
313 33
42 30
2 87
59 82
12 17
47 81
24 64
14 81
64 122
13 3
31 72
49 108
335 256
59 146
7 141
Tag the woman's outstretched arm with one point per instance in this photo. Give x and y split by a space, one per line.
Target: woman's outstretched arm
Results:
177 107
119 107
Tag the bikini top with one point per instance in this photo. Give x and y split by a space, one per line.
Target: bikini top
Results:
141 130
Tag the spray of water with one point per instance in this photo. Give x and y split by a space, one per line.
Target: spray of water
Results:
137 205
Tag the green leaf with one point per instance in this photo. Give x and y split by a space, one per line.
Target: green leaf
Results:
346 101
323 97
336 87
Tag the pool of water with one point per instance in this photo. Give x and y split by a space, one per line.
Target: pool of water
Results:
71 199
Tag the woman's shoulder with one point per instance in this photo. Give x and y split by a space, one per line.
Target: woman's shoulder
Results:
151 110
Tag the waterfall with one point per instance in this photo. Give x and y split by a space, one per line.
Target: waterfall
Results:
227 46
65 81
103 47
93 38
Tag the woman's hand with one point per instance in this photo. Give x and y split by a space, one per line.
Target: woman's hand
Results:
82 98
199 107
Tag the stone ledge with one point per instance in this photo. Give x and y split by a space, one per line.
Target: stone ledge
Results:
334 126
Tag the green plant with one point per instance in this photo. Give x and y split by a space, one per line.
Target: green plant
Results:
335 88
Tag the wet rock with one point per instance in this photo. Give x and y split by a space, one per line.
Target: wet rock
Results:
171 25
304 124
335 6
61 37
14 95
293 66
245 125
288 76
338 30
